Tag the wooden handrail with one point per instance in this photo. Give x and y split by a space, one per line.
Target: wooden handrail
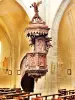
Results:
31 94
50 95
12 95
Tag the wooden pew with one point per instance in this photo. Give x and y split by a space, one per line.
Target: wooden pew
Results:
72 92
66 92
29 95
68 97
64 97
10 89
7 91
21 95
2 94
11 95
4 89
46 96
37 98
63 92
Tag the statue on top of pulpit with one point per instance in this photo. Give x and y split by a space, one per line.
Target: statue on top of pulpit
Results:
35 6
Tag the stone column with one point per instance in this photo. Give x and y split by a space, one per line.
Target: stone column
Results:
13 83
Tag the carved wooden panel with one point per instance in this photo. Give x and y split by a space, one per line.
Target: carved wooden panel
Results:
42 60
40 45
32 60
35 59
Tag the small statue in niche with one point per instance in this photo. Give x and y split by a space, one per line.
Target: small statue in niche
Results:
5 63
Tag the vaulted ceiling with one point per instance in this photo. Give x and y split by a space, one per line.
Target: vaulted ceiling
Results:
14 19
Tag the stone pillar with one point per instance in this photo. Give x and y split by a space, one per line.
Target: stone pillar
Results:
13 67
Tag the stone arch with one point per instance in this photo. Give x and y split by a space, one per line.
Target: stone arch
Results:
24 7
56 22
66 50
2 24
54 33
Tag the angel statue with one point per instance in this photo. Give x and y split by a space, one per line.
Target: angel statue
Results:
35 6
